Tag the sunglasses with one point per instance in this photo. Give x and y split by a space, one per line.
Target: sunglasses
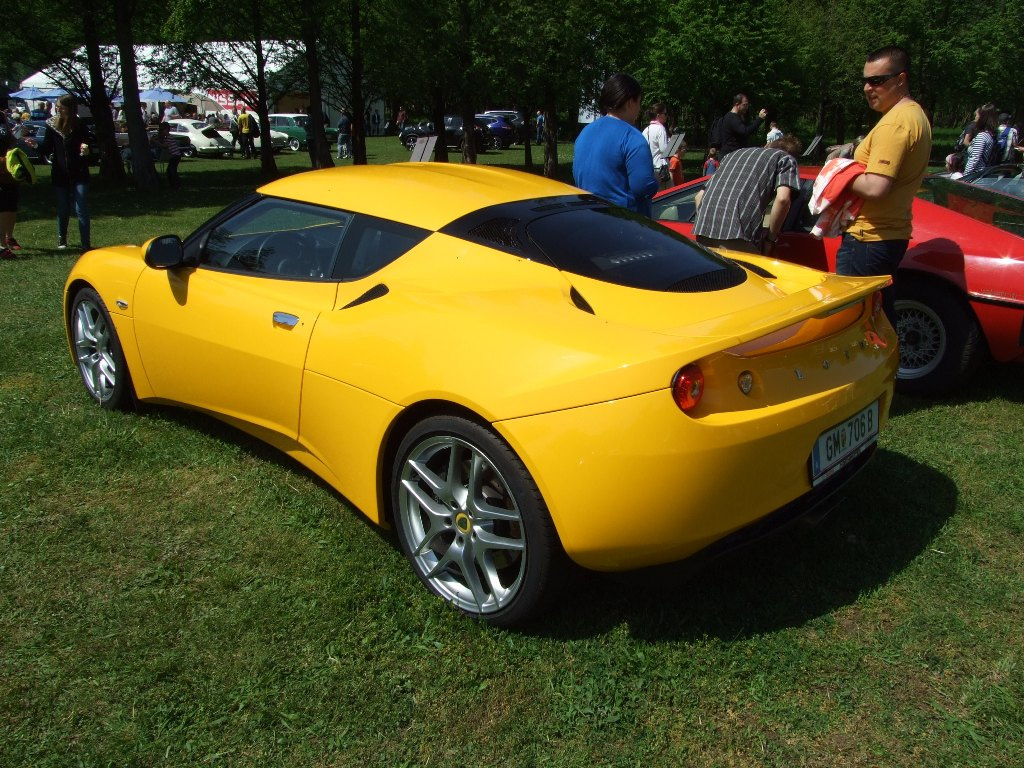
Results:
876 80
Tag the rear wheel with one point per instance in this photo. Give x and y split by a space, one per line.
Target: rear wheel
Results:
471 521
410 142
294 144
98 352
941 343
189 151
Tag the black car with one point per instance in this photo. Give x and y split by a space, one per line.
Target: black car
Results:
453 133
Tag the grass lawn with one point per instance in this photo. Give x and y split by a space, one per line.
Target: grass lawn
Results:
174 593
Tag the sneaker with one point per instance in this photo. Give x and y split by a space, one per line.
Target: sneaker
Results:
62 244
13 244
6 254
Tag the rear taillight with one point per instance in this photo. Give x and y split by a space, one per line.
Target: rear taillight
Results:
688 387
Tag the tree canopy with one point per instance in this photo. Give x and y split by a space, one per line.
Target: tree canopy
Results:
800 59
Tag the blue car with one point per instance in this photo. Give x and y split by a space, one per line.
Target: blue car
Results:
498 132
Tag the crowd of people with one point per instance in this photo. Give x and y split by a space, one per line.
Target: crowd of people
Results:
618 162
992 137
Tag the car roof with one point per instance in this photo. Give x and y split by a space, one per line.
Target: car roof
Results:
427 195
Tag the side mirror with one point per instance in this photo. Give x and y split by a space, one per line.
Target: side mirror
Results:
164 252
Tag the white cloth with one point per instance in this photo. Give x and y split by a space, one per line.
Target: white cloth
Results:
773 134
657 140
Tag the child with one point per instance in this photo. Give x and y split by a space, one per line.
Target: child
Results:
675 165
711 164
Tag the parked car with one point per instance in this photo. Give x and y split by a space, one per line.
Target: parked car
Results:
511 116
293 124
203 139
501 367
960 287
32 132
1008 177
453 133
278 140
515 119
498 133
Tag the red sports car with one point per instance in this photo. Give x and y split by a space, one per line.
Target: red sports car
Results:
960 287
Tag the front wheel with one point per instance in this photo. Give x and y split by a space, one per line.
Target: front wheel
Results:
98 352
941 343
410 142
189 151
471 521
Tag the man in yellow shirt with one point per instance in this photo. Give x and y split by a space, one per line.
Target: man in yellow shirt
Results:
895 154
245 138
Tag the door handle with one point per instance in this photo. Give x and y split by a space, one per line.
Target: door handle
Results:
285 320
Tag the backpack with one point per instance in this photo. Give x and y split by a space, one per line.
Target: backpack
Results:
1003 144
715 137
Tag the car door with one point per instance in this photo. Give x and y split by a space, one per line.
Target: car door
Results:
231 335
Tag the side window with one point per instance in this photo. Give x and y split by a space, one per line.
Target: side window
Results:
372 244
678 207
278 238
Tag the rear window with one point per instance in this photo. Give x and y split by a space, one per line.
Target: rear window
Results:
586 236
618 246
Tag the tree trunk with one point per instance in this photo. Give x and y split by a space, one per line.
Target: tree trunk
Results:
111 166
268 166
437 115
319 149
550 134
527 138
143 171
358 126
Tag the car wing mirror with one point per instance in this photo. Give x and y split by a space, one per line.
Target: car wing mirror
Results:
164 252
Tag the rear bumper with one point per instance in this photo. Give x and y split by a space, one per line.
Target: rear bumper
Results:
635 482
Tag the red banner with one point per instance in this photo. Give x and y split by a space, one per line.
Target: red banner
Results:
229 99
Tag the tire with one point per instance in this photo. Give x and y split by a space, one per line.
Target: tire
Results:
941 343
482 540
294 144
189 151
493 143
98 354
410 142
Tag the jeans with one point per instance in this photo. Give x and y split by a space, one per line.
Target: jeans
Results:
66 197
343 145
173 180
881 257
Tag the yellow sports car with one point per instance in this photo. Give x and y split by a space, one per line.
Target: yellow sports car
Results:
507 371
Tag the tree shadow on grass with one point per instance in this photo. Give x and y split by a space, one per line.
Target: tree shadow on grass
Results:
890 513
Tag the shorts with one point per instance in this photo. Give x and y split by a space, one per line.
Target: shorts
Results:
8 198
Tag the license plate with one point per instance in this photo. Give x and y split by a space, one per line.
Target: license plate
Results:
839 444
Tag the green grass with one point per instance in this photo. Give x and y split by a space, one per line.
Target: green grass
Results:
175 593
